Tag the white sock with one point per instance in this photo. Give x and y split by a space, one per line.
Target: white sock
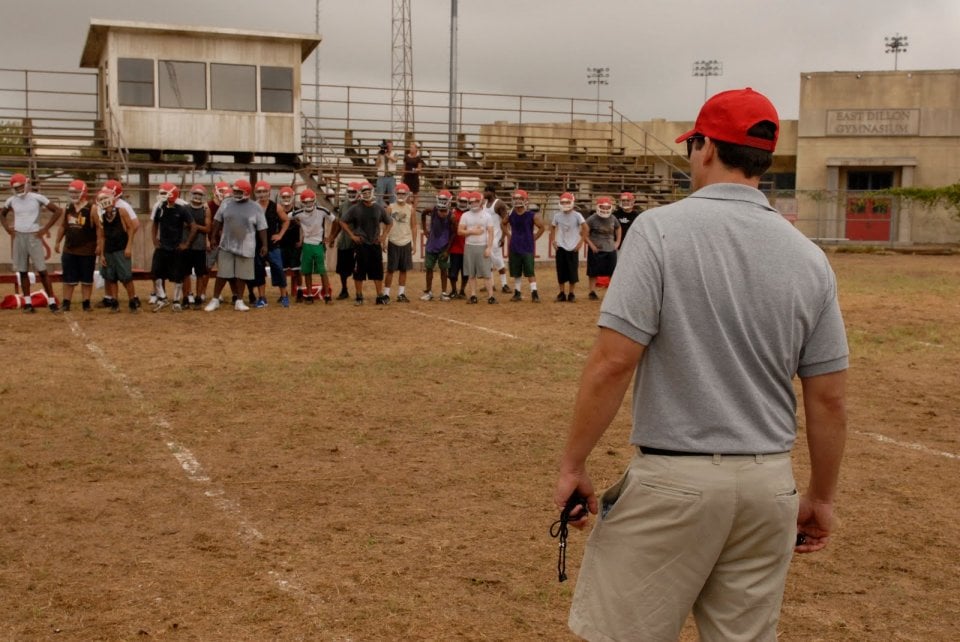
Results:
503 279
533 286
401 289
158 288
516 284
386 291
177 292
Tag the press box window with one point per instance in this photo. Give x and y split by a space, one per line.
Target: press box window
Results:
183 85
233 87
135 82
276 89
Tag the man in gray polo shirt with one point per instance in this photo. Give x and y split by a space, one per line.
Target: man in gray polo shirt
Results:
241 221
716 304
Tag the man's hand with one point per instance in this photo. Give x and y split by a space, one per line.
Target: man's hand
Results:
814 524
575 480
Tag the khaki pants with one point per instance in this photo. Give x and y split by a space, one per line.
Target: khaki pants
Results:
714 534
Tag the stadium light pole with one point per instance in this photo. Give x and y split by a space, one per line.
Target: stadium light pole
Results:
598 76
452 107
895 44
707 68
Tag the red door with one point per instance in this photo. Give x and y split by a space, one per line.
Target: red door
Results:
868 219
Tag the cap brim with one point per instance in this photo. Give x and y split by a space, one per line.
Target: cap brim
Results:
684 137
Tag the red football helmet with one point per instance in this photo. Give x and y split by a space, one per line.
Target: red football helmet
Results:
604 206
18 183
566 202
114 186
262 189
286 196
366 192
443 199
106 199
77 190
169 193
198 194
241 190
222 189
353 191
308 200
520 198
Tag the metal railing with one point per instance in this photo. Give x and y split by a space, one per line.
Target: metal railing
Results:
52 121
542 143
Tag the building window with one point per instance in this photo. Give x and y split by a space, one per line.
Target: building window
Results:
276 89
867 180
233 87
183 85
784 181
135 82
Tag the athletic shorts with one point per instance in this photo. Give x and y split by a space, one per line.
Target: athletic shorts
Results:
290 255
313 259
475 263
399 257
346 262
77 268
118 268
456 265
496 259
369 262
601 263
278 277
193 261
521 265
28 246
234 266
432 260
167 265
259 272
211 258
568 266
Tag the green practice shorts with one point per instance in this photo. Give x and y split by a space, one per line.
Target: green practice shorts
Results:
521 265
313 259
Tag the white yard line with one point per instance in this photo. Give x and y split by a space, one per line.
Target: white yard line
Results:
883 439
490 330
246 531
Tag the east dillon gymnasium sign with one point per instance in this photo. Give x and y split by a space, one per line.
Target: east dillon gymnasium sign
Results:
873 122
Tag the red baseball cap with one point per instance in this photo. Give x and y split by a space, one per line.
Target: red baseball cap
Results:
728 116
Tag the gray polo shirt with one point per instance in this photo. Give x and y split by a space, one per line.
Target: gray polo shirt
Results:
731 302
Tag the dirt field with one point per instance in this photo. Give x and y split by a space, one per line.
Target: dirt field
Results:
342 473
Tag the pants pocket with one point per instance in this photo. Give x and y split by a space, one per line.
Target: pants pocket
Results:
612 494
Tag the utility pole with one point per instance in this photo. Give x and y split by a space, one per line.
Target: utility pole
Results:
895 44
598 76
452 113
316 69
707 68
401 99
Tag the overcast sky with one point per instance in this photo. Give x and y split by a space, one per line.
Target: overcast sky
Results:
543 47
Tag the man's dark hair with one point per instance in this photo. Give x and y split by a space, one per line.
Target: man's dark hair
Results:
752 161
490 188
